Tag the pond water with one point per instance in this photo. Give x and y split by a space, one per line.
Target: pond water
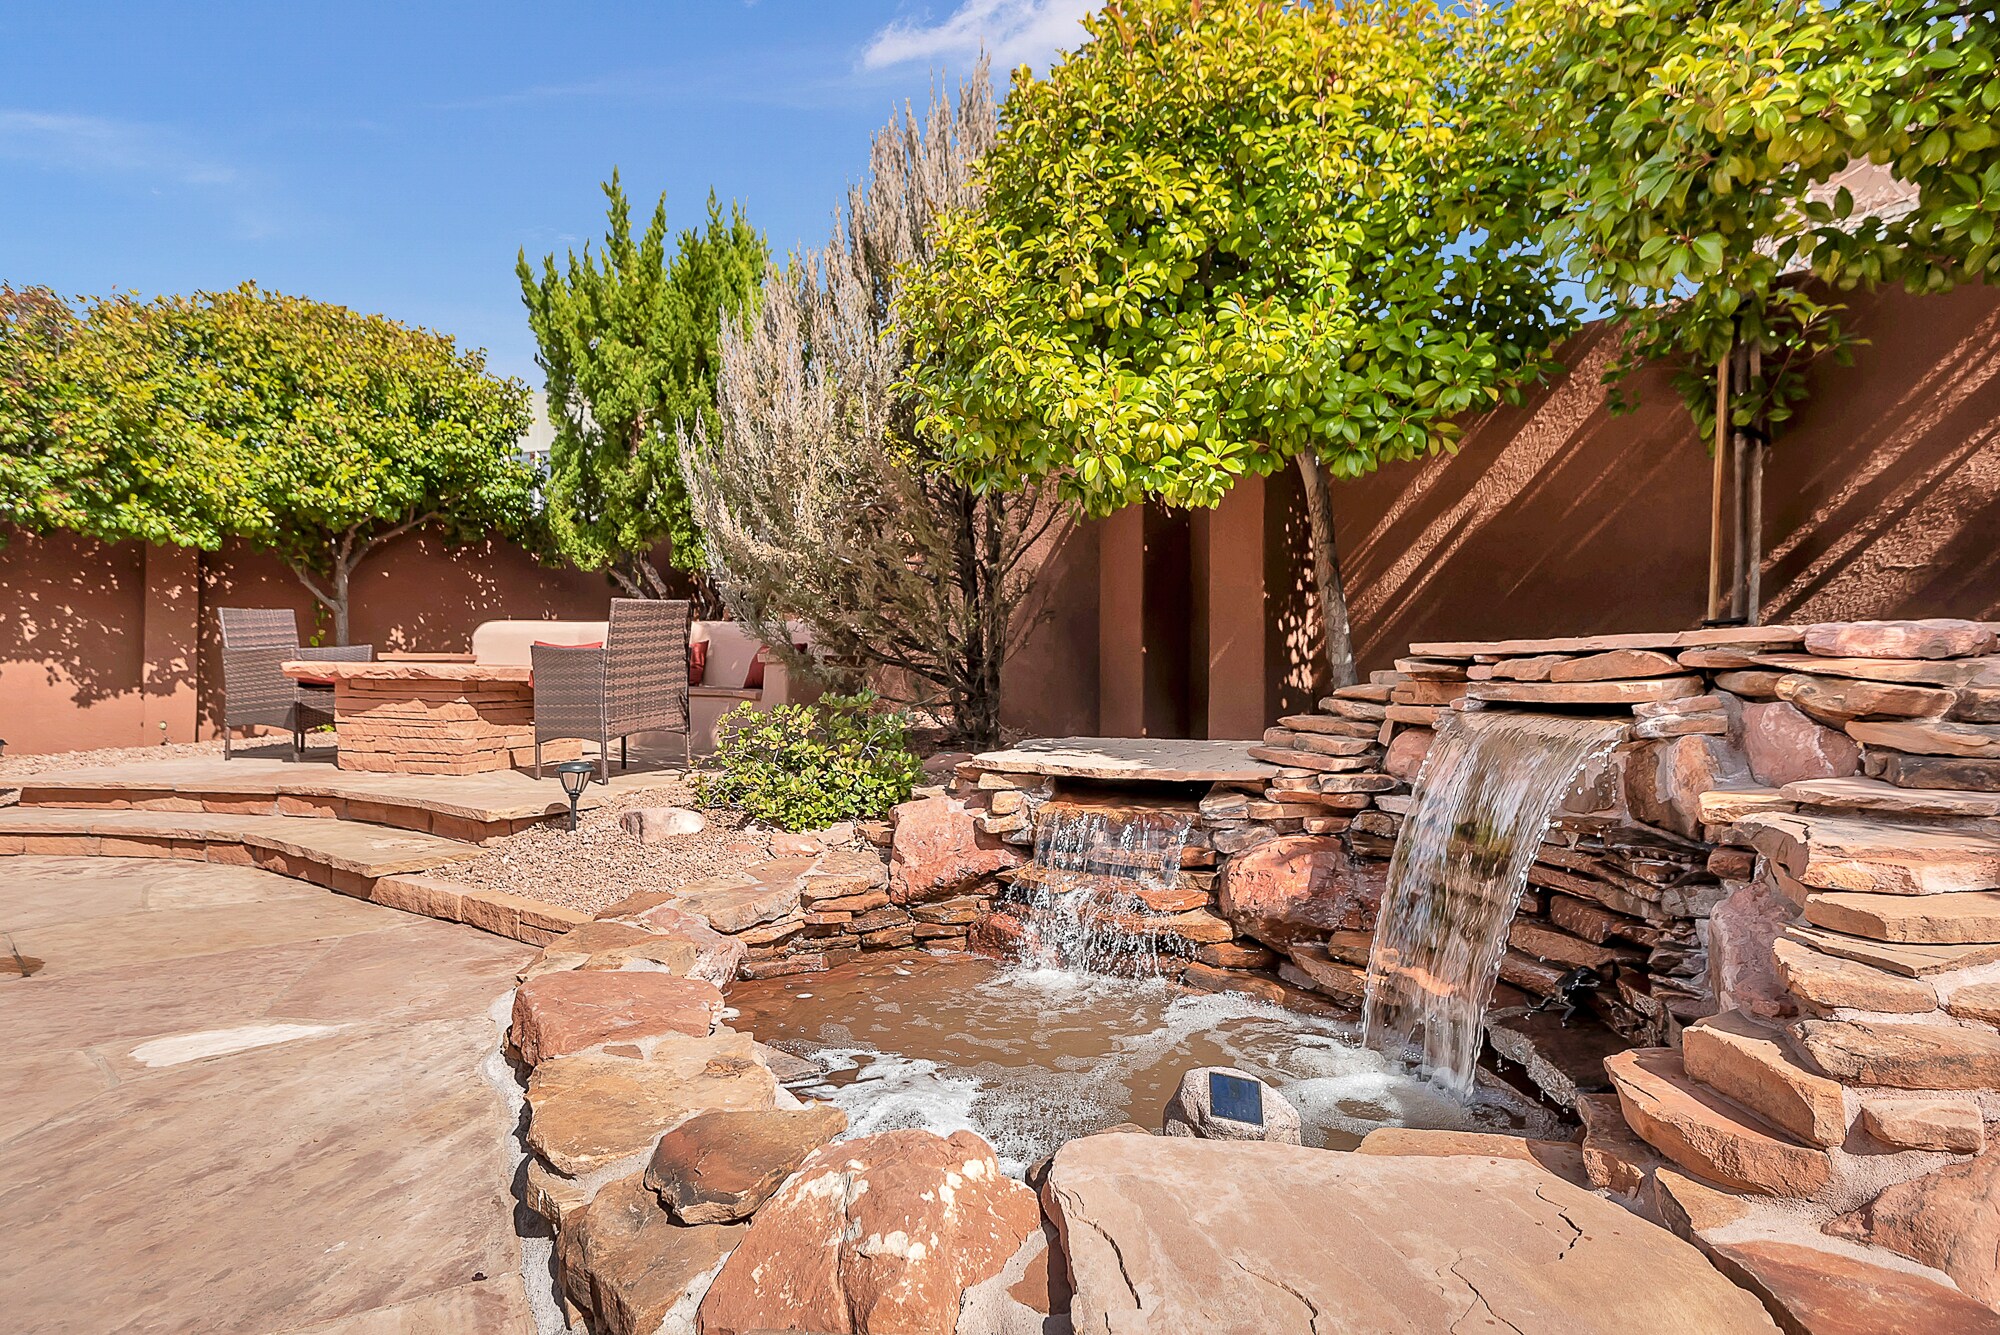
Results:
1029 1058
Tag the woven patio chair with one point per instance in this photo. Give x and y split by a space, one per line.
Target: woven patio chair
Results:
637 682
255 640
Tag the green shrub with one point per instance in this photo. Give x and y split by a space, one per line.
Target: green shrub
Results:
801 767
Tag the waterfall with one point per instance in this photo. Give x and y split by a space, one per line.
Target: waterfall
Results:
1084 892
1483 801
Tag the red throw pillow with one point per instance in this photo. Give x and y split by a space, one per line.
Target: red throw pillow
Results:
551 644
697 662
753 680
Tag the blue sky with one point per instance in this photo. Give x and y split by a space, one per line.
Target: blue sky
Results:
395 156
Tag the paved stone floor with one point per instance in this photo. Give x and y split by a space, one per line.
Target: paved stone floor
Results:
233 1102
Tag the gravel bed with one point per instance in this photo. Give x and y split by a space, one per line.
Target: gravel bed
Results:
280 748
599 864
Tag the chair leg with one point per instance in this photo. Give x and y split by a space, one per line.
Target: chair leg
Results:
226 730
687 748
538 757
623 760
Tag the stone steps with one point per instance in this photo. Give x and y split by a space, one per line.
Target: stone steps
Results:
1709 1134
340 854
1751 1064
475 809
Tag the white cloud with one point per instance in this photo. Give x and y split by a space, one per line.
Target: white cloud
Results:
96 145
1014 32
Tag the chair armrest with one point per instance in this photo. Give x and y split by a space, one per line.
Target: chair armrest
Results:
339 653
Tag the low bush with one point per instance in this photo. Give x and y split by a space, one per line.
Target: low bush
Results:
801 767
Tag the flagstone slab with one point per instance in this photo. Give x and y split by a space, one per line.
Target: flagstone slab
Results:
1923 672
1827 982
1970 917
1249 1238
1585 692
1153 759
1764 636
1872 855
1912 961
1904 1056
1858 794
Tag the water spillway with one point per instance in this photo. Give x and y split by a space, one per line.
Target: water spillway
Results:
1483 802
1088 889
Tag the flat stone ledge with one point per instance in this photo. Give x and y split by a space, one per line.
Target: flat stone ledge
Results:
1131 760
1765 636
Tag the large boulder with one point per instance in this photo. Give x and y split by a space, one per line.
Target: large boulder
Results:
939 850
1949 1220
1233 1238
1299 887
1192 1111
881 1234
1742 970
1784 746
718 1167
630 1266
560 1013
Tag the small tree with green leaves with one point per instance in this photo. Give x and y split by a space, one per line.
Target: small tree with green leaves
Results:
1226 237
627 342
307 429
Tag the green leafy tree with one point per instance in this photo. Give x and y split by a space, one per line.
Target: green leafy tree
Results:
307 429
94 437
627 339
1223 238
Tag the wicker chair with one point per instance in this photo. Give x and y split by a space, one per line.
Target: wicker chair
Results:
255 640
638 682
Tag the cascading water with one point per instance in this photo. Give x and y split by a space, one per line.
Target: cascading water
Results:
1093 867
1483 802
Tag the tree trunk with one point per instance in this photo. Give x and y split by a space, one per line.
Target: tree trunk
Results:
1326 575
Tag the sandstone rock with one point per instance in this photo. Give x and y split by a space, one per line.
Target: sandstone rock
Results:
575 947
1536 938
1664 781
1168 1236
1299 886
1936 637
1941 772
593 1109
1236 955
1857 794
1614 664
1728 805
1972 741
787 845
1970 917
1836 701
1682 725
1747 1062
1614 1158
1784 746
1317 969
1953 1126
1903 1056
718 1167
1692 1209
1812 1291
1336 727
1564 1158
731 904
1535 667
1749 683
1190 1112
1741 968
1874 856
1406 753
1949 1220
1910 961
1826 982
1976 1001
560 1013
1030 1295
656 825
1583 692
1708 1135
628 1265
880 1234
939 851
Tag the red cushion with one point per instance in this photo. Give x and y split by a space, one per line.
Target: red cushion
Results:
697 662
551 644
753 680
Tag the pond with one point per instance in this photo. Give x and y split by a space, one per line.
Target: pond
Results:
1029 1058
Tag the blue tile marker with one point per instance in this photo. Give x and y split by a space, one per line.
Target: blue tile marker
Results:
1237 1099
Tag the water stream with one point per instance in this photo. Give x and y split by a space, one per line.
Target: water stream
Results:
1093 868
1483 802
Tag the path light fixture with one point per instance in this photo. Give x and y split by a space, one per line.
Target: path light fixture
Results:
575 776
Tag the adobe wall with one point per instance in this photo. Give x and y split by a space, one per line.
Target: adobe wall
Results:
1881 499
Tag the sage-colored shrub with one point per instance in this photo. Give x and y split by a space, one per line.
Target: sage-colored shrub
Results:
802 767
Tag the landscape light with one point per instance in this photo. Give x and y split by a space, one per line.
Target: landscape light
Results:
574 775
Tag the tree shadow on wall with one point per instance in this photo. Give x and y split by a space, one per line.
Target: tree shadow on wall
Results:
74 609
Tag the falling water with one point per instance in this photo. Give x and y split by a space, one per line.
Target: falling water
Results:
1483 802
1083 891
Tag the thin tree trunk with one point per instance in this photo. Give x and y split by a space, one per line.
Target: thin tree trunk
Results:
1716 488
1327 582
1753 505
